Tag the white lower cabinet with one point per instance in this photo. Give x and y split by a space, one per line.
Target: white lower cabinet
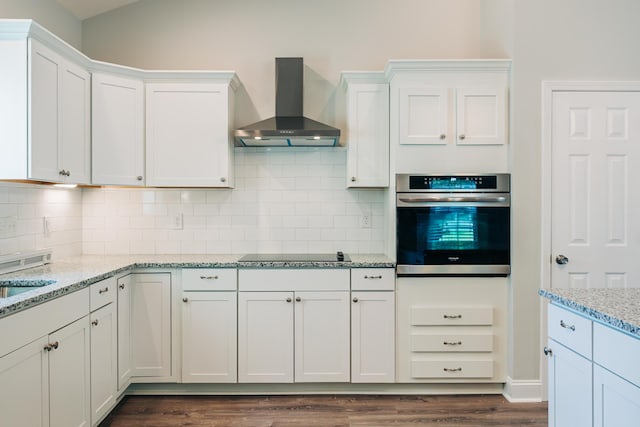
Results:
293 326
616 401
372 325
209 326
45 376
104 357
151 325
124 332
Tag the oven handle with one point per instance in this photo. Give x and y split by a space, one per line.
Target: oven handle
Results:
455 199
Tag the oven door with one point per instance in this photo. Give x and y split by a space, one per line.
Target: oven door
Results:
453 234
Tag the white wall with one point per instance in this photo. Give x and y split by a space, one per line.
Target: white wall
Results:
47 13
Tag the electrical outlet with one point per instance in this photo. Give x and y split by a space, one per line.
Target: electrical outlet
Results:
365 220
8 225
178 222
46 226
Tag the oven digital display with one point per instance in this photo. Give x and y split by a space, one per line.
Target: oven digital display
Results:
430 182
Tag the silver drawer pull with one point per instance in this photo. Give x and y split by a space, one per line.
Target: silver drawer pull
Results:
453 370
373 277
102 291
452 316
209 277
564 325
452 343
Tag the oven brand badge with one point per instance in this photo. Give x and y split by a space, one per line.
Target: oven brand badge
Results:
454 258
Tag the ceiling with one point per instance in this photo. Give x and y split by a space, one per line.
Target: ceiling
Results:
84 9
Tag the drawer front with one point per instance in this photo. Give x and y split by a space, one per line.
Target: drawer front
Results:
438 315
617 352
570 329
452 342
452 368
286 280
209 279
372 279
102 293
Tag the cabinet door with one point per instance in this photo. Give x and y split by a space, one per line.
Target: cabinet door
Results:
616 402
187 138
481 116
75 146
151 324
69 375
322 337
372 337
570 387
209 343
368 135
124 331
104 357
424 116
24 394
265 337
44 100
117 132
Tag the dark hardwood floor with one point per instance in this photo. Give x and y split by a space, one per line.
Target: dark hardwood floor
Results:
325 411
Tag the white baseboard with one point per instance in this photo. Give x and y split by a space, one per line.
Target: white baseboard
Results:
523 390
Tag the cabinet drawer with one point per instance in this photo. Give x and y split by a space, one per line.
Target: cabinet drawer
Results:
570 329
372 279
451 342
453 315
102 293
209 279
617 352
305 279
452 368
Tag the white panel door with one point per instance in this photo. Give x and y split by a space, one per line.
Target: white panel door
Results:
24 394
425 116
616 402
104 358
481 116
595 206
117 132
265 337
151 325
187 135
209 337
570 387
124 331
322 337
69 376
372 337
44 97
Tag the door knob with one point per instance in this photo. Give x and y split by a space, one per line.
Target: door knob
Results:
561 259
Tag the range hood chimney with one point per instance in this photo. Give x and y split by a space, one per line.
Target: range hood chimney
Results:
289 127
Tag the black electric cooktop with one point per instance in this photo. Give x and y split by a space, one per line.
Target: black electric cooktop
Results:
332 257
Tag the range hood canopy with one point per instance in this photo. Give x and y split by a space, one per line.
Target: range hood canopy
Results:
289 127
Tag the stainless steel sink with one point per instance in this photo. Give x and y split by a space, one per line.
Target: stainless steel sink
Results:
15 287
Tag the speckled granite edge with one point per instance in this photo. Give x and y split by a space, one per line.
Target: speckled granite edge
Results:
62 277
618 308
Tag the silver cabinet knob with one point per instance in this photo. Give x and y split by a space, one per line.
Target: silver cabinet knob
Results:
443 136
353 179
139 177
121 286
223 179
462 137
561 260
185 299
298 299
289 299
355 299
95 322
547 351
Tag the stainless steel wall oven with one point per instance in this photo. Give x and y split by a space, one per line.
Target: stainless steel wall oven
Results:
453 225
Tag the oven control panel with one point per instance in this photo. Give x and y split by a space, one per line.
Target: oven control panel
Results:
467 183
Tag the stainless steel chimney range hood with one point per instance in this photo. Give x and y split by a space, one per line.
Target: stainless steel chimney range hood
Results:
289 128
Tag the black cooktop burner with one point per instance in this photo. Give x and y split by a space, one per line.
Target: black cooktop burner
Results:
335 257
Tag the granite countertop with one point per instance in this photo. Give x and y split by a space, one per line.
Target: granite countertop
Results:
64 276
618 308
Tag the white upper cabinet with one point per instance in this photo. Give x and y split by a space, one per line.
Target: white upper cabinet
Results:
118 130
367 111
188 133
45 110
